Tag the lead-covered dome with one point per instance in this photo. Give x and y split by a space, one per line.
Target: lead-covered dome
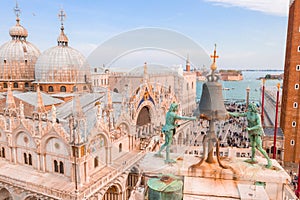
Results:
18 56
62 64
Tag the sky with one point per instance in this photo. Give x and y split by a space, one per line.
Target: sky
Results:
250 34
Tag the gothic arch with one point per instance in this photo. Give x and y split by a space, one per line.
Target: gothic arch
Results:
5 193
97 143
48 137
124 127
114 192
16 138
150 108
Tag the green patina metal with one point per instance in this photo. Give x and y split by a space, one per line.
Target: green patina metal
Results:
165 187
255 132
169 129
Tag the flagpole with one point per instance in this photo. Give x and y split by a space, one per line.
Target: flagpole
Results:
276 119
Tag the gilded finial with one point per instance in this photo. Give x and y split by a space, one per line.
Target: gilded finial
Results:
213 67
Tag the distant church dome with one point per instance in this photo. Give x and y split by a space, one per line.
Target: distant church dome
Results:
62 64
18 56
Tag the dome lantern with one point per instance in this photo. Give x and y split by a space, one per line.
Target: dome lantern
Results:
62 39
18 31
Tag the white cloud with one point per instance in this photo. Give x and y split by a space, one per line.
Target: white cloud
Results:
274 7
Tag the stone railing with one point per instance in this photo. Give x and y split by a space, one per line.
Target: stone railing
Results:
288 193
107 178
36 188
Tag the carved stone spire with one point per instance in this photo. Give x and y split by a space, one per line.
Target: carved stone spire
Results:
40 107
10 101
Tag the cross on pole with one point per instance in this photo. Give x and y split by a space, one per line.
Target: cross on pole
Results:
62 16
215 54
17 10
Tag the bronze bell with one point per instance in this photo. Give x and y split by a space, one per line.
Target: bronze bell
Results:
211 106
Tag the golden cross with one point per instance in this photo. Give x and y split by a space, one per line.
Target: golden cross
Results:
215 54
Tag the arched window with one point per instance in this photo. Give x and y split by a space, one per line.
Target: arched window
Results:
61 167
26 85
3 152
120 147
84 88
30 159
296 86
16 85
5 85
41 88
63 89
55 166
50 89
96 162
295 105
25 158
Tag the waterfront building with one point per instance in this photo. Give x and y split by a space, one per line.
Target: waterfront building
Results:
289 120
83 140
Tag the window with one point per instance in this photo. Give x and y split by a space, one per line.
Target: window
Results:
293 124
3 152
292 142
5 85
96 162
298 48
55 166
192 85
41 88
120 147
61 167
84 88
16 85
296 86
63 89
29 159
297 67
25 158
295 105
25 62
4 61
26 85
50 89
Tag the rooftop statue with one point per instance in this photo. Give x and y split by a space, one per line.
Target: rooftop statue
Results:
255 131
169 130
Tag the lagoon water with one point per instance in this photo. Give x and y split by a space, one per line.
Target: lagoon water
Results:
237 89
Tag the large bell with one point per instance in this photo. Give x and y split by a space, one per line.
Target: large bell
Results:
211 106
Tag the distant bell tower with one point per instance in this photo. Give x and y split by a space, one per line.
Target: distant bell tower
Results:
290 108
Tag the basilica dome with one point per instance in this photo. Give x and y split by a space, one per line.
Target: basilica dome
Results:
18 56
62 64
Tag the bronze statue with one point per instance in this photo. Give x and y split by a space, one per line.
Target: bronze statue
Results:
169 129
255 131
